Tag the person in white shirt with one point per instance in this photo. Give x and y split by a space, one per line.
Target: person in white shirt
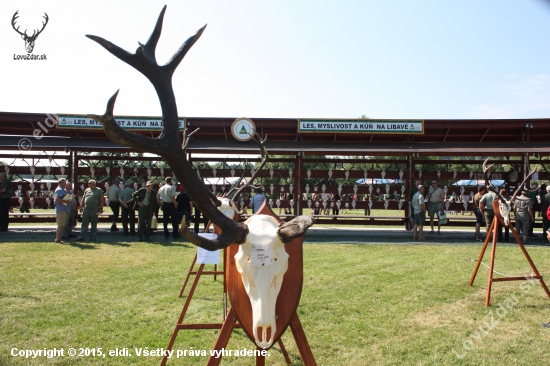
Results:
113 194
167 201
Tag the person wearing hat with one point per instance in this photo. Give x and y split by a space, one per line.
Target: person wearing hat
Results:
524 213
146 204
126 199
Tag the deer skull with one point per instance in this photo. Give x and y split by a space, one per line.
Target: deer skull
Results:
262 262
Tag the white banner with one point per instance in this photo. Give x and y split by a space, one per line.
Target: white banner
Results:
361 126
128 123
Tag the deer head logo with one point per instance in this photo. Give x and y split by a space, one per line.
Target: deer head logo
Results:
29 40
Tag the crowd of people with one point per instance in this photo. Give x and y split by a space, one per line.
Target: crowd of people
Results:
124 201
522 207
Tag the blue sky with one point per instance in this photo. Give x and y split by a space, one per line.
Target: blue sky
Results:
298 59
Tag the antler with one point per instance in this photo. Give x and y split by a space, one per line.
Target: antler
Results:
169 145
265 157
521 185
35 34
15 16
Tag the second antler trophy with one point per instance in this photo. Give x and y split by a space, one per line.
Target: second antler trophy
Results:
262 236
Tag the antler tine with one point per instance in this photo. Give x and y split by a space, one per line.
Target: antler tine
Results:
171 66
116 133
236 187
265 157
150 46
521 185
186 137
118 52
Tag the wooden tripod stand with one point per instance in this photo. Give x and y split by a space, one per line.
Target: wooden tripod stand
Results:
230 318
494 232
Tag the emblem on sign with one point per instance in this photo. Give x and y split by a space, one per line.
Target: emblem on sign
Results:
243 129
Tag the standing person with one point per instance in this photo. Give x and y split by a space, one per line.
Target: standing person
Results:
167 201
335 211
113 194
62 208
486 207
68 230
436 198
184 206
290 198
419 210
524 213
367 207
6 192
257 201
412 192
146 199
91 206
545 203
126 199
479 216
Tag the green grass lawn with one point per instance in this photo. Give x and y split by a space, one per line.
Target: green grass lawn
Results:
361 304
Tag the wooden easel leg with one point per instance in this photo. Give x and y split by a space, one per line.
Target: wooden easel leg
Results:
183 311
482 253
223 337
533 267
260 360
188 275
284 352
301 341
492 266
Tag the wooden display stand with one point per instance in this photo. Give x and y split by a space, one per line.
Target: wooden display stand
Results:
494 232
287 302
240 303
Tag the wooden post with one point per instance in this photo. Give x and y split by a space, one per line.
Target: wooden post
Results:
410 180
297 209
494 225
70 166
75 170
